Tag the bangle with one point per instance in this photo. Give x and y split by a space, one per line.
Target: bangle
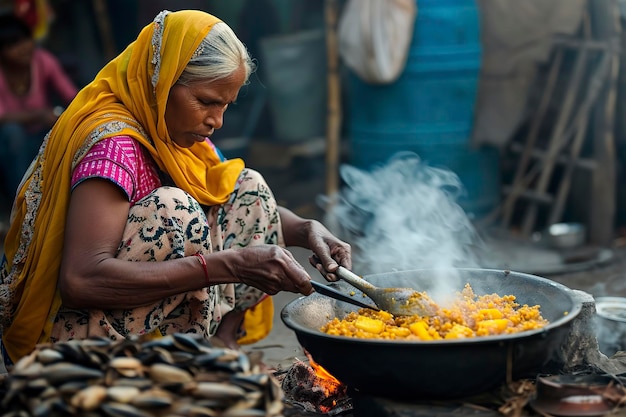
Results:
204 267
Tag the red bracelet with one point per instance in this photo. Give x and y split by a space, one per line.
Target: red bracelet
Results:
204 267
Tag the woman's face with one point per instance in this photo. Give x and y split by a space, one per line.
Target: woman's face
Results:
20 53
194 112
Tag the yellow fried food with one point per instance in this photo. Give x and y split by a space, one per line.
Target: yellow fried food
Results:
468 316
369 325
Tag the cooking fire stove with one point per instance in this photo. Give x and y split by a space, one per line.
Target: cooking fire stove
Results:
579 354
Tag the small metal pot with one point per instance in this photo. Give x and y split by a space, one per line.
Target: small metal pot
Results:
566 235
611 324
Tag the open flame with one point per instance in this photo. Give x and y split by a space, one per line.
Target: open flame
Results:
312 387
329 384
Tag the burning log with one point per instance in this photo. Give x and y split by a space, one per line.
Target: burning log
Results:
310 386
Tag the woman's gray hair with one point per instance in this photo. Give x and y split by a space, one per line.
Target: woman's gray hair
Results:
219 55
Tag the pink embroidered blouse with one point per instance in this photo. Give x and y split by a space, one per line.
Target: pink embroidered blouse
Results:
123 161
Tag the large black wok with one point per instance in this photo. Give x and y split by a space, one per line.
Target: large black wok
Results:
436 369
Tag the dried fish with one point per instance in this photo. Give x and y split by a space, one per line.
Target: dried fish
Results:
128 367
181 375
162 372
122 394
244 413
185 342
113 409
90 398
217 390
64 371
251 382
71 387
192 410
47 356
153 398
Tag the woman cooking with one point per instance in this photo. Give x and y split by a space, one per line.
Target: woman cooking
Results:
131 223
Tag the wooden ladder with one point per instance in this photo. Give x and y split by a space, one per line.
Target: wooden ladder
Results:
543 175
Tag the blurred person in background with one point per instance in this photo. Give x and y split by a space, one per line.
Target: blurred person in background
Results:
37 14
34 88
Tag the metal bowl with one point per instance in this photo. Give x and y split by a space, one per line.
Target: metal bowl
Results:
566 235
441 368
611 324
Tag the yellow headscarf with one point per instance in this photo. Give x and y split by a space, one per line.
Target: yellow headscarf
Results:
127 97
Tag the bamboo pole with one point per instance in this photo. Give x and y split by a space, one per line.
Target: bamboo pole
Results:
104 26
595 84
333 122
603 206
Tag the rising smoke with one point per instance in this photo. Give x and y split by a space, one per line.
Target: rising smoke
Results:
402 215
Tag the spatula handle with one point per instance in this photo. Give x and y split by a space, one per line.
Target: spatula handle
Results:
338 295
353 279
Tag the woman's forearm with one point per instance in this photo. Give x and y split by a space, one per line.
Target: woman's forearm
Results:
295 228
115 283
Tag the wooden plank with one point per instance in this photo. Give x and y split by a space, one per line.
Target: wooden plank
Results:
588 164
594 86
333 128
543 198
603 189
104 26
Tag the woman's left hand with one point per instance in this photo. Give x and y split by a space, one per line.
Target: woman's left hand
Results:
329 252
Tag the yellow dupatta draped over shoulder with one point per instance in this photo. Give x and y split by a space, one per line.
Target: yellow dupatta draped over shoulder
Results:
127 97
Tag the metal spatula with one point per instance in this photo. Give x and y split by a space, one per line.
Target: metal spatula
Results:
397 301
338 295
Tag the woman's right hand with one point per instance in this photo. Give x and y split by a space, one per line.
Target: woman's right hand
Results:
271 269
